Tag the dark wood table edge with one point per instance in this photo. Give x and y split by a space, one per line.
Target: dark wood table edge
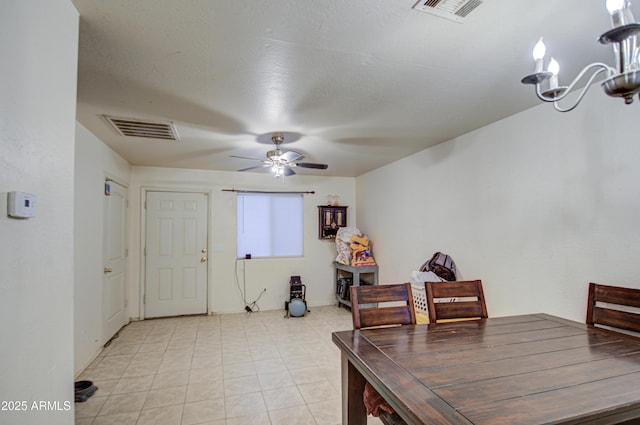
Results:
355 373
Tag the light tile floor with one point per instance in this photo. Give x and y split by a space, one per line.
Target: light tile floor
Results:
236 369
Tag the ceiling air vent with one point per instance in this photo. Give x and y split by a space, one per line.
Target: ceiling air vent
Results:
142 128
454 10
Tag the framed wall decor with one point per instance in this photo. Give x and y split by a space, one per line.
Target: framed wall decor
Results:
330 219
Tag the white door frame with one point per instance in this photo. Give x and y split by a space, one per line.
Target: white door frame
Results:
143 237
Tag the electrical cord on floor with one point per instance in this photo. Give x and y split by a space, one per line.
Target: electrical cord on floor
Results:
242 293
108 343
250 307
254 307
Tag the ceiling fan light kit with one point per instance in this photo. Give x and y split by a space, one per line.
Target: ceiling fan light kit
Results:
281 162
623 81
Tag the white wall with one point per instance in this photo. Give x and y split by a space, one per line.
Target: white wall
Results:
38 47
315 268
536 205
94 162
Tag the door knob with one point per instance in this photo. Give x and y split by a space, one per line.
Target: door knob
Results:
203 260
204 250
108 270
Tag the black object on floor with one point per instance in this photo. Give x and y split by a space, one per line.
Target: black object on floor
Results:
84 390
297 305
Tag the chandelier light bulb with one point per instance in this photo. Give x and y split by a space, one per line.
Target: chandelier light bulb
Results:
620 13
554 66
615 5
539 51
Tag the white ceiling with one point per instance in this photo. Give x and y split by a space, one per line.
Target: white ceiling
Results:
360 83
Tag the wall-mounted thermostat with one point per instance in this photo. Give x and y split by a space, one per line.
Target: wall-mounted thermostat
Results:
21 205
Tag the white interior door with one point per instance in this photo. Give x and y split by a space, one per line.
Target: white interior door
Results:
176 254
114 282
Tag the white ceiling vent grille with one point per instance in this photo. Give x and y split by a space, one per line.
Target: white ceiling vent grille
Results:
142 128
454 10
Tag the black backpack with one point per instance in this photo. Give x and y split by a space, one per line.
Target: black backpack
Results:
442 265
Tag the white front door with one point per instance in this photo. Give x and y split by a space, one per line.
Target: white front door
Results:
114 282
176 254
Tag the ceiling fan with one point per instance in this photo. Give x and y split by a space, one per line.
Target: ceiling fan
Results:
281 162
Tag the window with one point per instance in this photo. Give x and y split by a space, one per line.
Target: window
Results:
270 224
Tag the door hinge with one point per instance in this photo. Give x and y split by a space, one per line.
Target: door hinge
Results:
144 299
145 251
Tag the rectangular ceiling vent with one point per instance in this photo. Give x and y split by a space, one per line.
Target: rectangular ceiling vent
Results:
143 128
454 10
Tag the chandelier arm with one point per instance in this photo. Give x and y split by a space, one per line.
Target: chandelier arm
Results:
542 96
602 68
583 92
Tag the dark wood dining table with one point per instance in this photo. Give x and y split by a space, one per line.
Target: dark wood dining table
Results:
516 370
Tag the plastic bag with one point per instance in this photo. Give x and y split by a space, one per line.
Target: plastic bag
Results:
343 241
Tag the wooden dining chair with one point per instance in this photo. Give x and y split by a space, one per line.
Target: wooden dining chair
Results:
367 311
612 306
462 299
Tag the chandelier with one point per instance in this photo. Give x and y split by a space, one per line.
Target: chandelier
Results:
623 81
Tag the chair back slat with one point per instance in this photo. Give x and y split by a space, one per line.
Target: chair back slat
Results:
458 310
398 315
613 306
617 295
457 289
367 312
462 299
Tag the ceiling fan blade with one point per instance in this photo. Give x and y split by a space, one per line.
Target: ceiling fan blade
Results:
246 157
288 171
311 165
291 156
255 167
